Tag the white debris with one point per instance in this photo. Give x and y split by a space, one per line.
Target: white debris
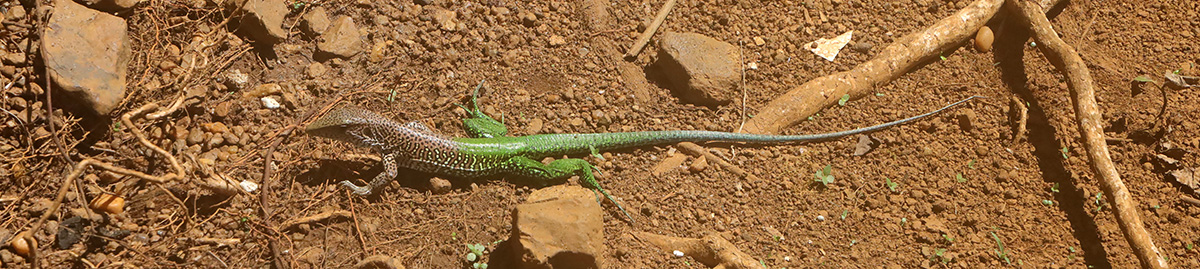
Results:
829 48
249 186
270 102
677 253
821 217
752 66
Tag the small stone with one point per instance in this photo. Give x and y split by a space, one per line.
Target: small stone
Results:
342 40
446 19
557 40
195 136
262 19
699 164
316 70
316 21
223 109
576 122
758 41
439 185
983 39
966 119
863 47
535 126
214 127
15 13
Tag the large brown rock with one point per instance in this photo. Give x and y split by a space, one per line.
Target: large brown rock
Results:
703 70
87 54
559 227
261 19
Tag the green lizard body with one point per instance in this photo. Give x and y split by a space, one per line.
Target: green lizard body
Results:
489 153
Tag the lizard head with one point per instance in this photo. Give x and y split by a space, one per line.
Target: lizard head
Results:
336 123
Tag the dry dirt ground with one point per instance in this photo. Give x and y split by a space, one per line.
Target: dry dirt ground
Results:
936 194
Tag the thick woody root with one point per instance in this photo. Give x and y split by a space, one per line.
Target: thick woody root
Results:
711 250
896 59
1089 121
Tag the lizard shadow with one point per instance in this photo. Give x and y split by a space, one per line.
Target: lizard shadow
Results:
1071 200
331 172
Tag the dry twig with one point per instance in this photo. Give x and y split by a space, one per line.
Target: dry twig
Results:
650 29
1088 118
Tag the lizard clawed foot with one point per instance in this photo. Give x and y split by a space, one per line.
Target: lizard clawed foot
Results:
359 190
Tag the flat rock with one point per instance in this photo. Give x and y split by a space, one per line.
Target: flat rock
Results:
315 21
87 53
341 40
559 227
262 19
379 262
703 70
112 5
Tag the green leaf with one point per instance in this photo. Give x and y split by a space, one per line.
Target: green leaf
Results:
971 164
1054 188
1143 78
960 178
828 169
891 185
1047 202
845 97
845 213
879 94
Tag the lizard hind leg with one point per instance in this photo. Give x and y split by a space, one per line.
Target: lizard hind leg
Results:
560 169
389 172
479 124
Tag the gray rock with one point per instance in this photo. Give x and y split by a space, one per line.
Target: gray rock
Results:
315 22
559 227
87 53
262 19
703 70
341 39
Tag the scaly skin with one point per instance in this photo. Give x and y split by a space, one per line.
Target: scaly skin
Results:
490 153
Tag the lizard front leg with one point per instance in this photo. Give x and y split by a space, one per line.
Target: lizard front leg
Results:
389 173
479 124
560 169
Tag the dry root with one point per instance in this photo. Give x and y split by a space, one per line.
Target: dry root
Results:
711 250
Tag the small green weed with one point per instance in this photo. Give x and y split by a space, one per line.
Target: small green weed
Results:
890 185
825 176
948 238
1065 150
1000 251
971 164
845 213
475 255
960 178
845 98
1143 79
1054 188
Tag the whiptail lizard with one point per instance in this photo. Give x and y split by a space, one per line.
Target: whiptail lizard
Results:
488 152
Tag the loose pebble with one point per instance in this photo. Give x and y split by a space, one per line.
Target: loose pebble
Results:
984 38
108 203
677 253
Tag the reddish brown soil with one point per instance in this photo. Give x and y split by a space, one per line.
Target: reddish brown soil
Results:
1044 208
